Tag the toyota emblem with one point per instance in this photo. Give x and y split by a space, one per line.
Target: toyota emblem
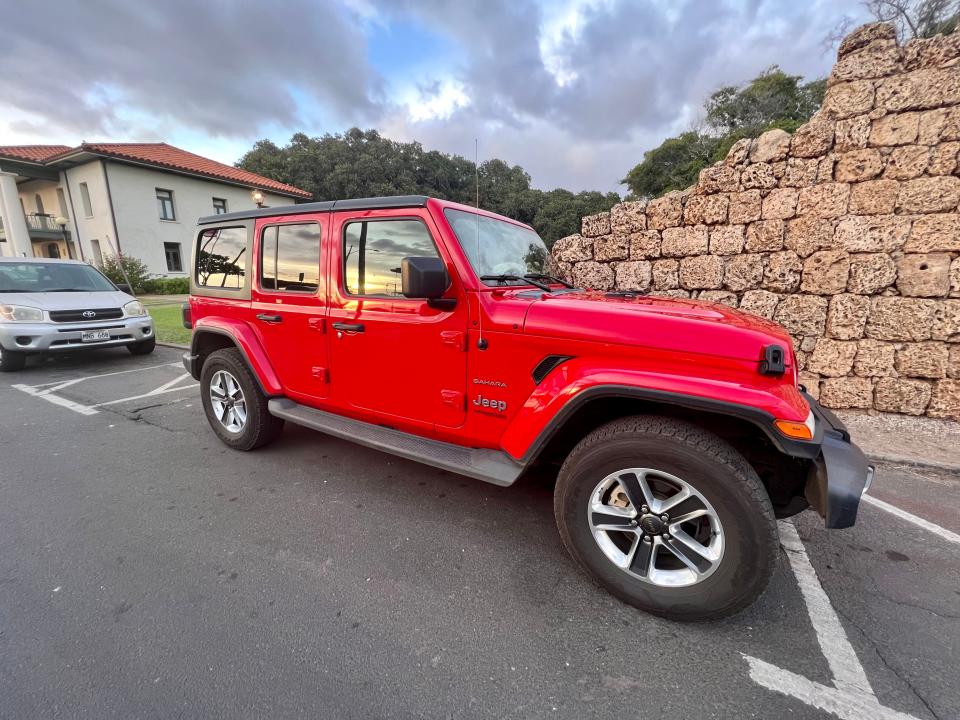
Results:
89 314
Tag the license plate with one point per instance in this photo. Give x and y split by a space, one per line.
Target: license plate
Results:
95 336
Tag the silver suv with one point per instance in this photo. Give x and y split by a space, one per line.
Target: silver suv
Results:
60 305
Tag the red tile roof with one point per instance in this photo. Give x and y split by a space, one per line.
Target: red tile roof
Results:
168 156
32 153
157 154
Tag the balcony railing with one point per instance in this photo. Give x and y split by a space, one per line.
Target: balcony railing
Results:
45 223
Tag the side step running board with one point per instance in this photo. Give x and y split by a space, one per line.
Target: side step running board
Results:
488 465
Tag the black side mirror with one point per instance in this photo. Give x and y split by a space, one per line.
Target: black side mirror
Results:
123 287
424 277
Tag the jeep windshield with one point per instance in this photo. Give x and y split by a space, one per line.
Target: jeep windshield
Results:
35 277
500 252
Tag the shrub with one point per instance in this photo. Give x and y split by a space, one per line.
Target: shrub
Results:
136 271
167 286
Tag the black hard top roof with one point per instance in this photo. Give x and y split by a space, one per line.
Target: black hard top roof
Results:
379 203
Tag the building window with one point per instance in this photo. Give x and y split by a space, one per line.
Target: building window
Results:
174 260
290 258
165 204
221 258
372 251
62 202
85 200
219 206
97 254
39 201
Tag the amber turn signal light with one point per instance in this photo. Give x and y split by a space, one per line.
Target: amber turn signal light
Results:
795 430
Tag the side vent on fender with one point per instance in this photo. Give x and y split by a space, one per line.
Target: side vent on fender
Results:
774 360
544 367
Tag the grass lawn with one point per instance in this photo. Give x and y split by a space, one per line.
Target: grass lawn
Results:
169 324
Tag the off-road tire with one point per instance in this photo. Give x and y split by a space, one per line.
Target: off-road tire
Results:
261 427
712 467
11 361
144 347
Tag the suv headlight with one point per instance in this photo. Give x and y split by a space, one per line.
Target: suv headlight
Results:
20 313
134 308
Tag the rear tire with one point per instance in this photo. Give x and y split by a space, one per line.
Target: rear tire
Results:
11 361
732 525
235 406
144 347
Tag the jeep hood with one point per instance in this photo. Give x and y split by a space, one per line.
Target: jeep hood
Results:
654 322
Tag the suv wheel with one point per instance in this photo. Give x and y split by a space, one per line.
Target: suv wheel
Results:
236 408
144 347
11 361
668 517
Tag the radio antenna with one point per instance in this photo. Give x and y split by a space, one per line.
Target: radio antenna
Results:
481 342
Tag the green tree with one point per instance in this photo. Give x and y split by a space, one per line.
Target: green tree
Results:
773 99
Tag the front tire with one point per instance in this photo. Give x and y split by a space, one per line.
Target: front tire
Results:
667 517
11 361
235 406
144 347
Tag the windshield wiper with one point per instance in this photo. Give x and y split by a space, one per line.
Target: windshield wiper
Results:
64 290
11 290
551 278
530 280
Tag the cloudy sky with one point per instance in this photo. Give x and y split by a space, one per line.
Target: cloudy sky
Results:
573 90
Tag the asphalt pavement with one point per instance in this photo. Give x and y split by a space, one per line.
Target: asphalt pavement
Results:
147 571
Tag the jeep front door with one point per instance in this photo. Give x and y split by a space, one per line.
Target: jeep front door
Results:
402 359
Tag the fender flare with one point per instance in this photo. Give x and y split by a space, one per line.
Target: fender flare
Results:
248 345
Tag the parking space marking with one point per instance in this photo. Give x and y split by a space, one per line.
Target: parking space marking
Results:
162 390
56 399
851 697
103 375
947 535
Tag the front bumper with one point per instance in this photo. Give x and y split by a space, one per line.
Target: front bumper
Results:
840 474
35 338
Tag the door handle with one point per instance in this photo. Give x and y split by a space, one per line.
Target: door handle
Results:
348 327
272 319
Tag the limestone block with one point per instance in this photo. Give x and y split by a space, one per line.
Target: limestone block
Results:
760 302
898 318
799 172
782 273
611 247
664 212
573 248
744 207
870 273
805 235
875 358
593 275
858 165
848 392
933 233
666 274
879 58
634 275
780 204
628 217
874 197
832 358
722 297
945 402
895 129
705 209
924 275
910 397
907 162
847 316
876 233
764 236
852 133
815 137
828 200
701 272
946 321
939 125
770 146
847 99
826 272
681 241
919 90
758 176
644 244
802 314
923 359
718 178
743 272
595 225
726 239
944 159
865 35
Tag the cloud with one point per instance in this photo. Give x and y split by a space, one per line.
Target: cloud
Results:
225 68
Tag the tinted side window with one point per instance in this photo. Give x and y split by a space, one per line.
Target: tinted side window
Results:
290 258
222 258
372 251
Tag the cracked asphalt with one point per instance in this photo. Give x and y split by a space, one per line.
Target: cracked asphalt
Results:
146 571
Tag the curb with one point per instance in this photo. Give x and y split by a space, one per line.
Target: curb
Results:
173 345
914 462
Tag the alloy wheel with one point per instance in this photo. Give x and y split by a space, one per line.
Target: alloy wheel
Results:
656 527
227 401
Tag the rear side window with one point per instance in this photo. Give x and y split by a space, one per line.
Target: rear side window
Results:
222 258
290 258
373 249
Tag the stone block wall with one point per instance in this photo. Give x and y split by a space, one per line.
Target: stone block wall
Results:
847 232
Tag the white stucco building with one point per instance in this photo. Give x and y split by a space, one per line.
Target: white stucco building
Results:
139 199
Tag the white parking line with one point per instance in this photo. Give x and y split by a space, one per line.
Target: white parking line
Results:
152 393
947 535
851 696
56 400
109 374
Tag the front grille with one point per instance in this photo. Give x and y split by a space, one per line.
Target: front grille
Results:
78 315
95 327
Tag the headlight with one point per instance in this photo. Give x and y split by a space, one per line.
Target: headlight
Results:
20 313
134 308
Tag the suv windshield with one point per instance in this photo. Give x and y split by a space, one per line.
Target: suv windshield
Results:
502 248
37 277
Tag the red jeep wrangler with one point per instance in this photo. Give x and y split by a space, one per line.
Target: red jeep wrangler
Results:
438 332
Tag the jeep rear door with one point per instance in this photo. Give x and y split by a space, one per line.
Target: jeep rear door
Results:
290 301
400 359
